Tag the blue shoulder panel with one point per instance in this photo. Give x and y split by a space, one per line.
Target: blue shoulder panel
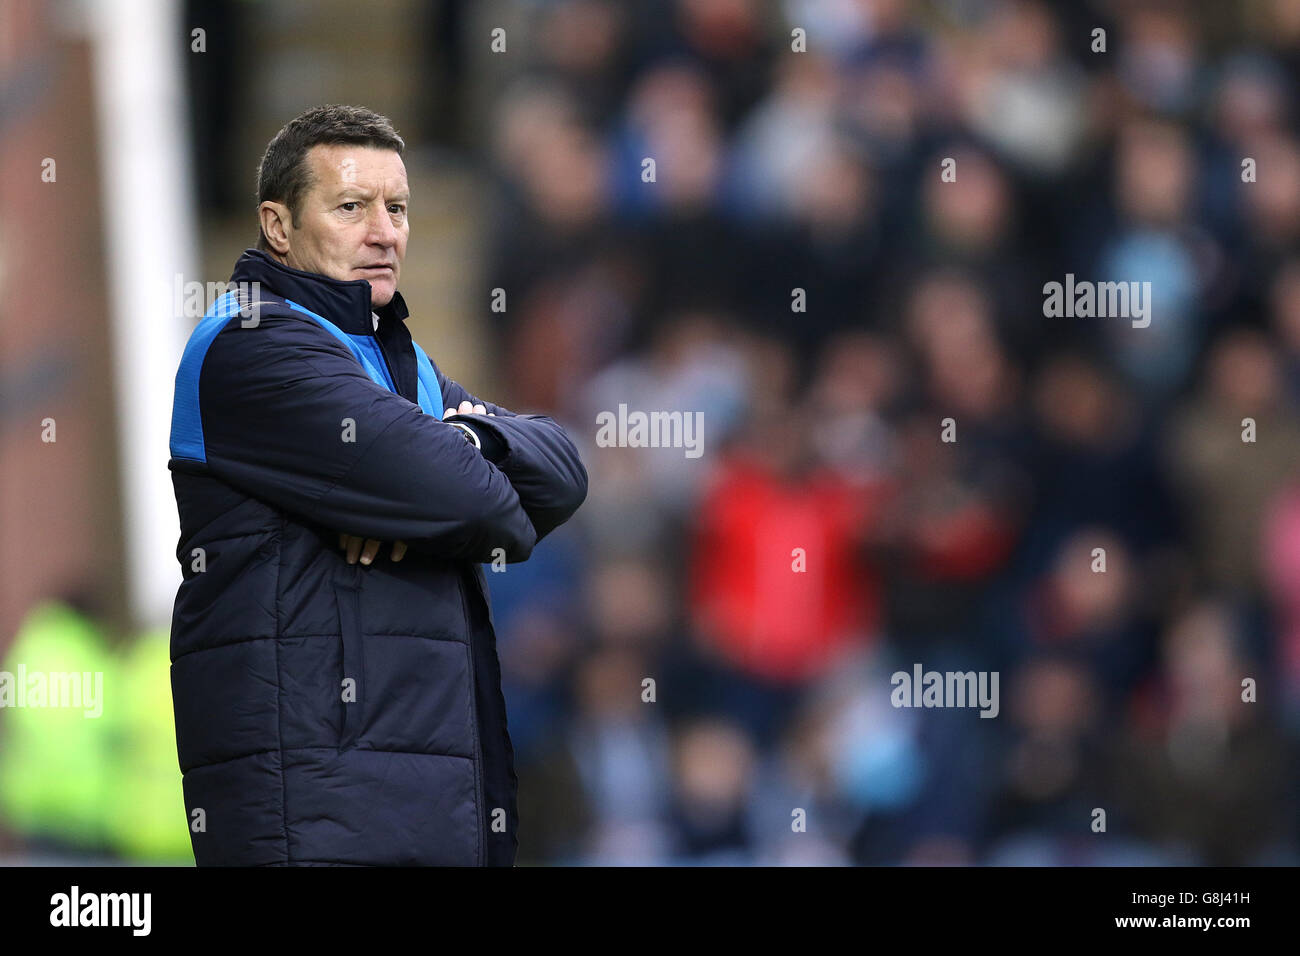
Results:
338 334
427 383
363 347
187 424
374 361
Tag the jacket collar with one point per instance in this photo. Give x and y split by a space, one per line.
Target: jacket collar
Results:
345 303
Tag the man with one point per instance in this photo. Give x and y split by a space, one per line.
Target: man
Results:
336 704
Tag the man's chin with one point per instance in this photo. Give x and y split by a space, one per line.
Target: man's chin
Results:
381 292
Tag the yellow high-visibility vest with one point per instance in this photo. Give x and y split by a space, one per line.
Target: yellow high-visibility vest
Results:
58 696
146 810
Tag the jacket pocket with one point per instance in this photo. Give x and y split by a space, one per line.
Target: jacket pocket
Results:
352 683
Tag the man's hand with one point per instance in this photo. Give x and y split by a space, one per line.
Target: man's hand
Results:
468 408
367 549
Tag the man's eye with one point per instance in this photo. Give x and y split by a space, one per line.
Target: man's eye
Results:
347 204
397 208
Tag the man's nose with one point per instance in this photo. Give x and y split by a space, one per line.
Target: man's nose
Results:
382 231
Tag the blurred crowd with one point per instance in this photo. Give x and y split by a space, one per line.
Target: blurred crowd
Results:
1113 523
905 460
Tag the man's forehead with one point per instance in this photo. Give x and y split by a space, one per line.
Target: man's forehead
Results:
338 165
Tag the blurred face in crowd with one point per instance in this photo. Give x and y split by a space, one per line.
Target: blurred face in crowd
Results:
1156 172
352 221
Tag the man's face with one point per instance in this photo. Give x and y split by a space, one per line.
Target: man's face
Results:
352 222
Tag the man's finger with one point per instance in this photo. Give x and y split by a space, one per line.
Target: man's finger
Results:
480 409
399 549
371 549
467 406
354 549
450 411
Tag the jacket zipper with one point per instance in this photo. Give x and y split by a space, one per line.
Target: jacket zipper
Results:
392 376
479 798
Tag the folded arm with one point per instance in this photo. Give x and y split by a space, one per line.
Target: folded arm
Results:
290 417
533 451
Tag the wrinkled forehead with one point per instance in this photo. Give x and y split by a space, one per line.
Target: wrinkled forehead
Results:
336 166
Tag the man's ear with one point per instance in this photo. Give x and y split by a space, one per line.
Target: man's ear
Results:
276 223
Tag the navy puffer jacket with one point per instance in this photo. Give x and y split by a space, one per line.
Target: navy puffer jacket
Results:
329 713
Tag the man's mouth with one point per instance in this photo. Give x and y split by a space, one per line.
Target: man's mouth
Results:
383 267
